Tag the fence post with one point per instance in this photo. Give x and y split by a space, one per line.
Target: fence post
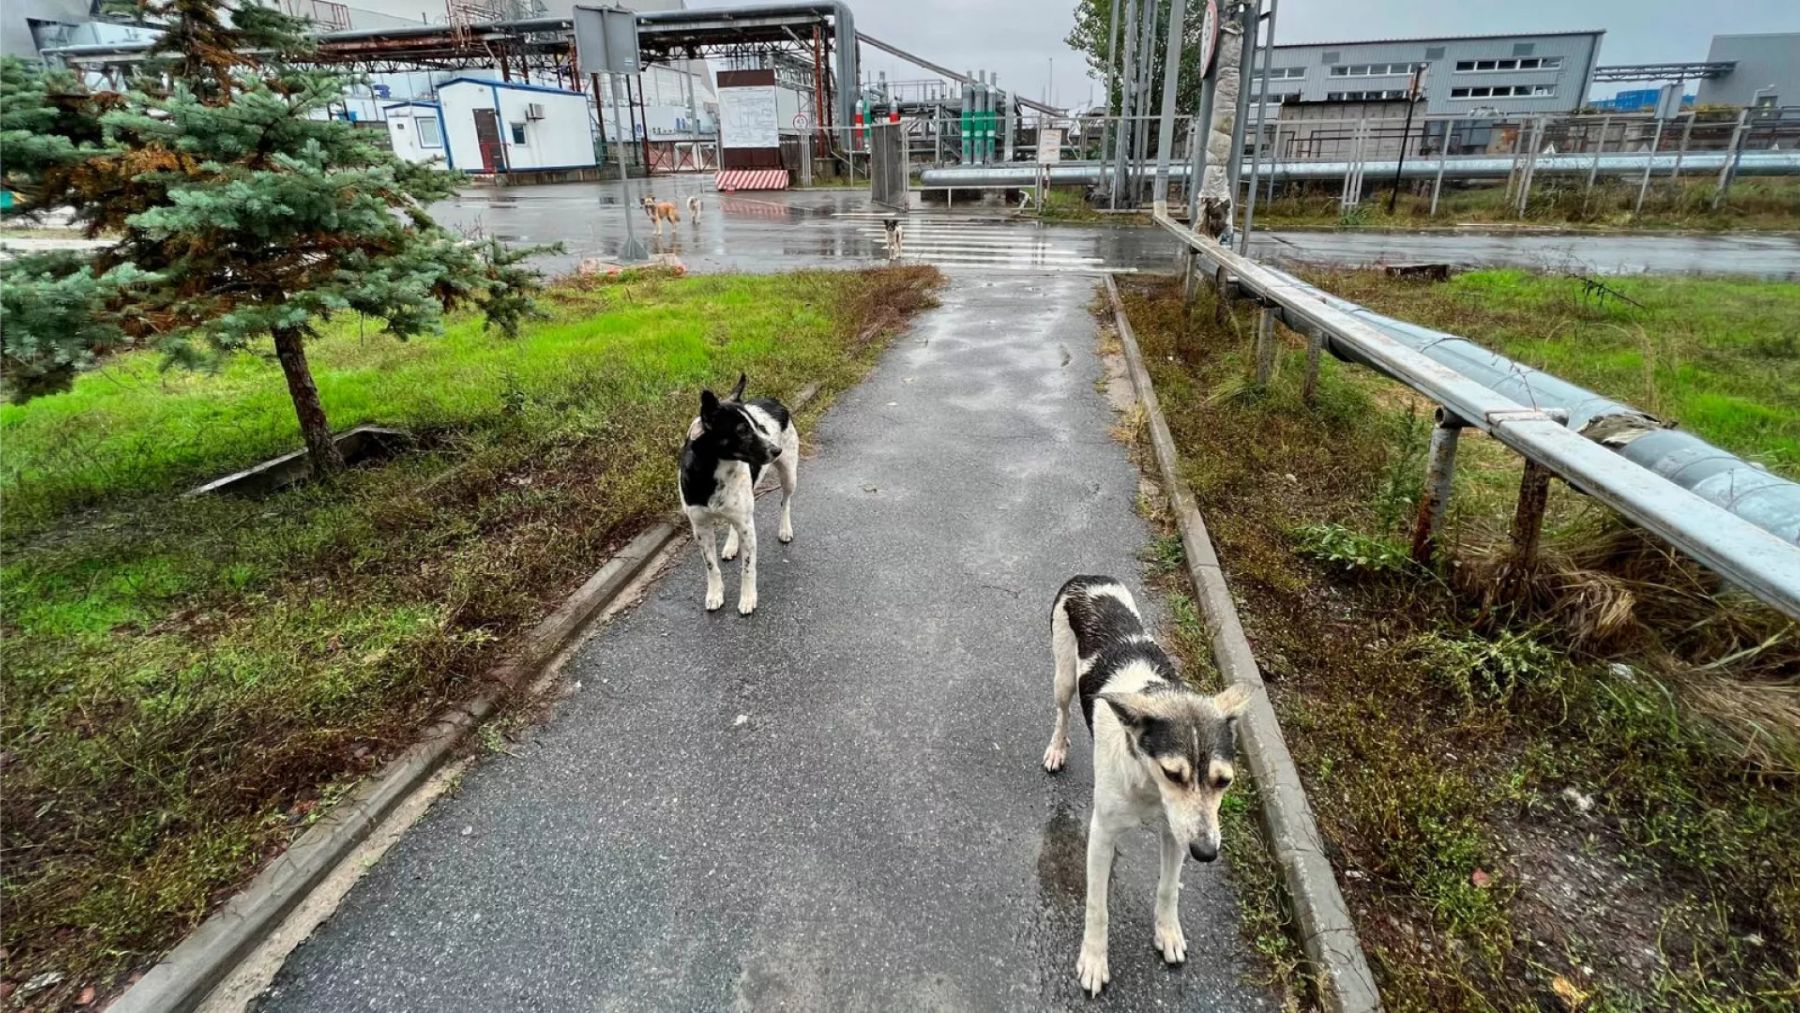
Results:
1530 170
1434 498
1594 169
1686 132
1443 154
1265 346
1315 343
1729 170
1649 160
1527 527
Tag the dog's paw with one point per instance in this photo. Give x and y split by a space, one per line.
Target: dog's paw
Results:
786 535
714 598
1055 755
1170 942
746 604
729 553
1090 969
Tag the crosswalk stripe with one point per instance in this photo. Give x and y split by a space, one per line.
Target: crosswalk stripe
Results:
1062 256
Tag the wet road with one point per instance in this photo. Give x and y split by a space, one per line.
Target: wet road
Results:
780 231
876 834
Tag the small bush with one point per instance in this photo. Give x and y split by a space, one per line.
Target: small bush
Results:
1482 670
1351 549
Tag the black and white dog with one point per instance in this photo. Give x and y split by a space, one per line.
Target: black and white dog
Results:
728 447
1163 753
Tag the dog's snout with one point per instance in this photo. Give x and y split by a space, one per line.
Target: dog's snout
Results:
1203 852
775 454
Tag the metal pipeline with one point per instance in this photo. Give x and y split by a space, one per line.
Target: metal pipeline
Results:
1754 163
1726 533
1764 499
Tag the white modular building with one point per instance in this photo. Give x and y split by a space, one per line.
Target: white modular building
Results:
416 131
492 126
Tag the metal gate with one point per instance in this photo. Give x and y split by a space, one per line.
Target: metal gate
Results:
887 164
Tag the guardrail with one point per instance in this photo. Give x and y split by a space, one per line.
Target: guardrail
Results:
1748 556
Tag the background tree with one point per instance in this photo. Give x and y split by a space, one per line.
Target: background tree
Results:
240 211
1089 37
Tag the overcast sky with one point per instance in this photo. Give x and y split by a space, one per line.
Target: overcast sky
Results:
1022 39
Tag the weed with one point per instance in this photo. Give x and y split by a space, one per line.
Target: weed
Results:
1352 550
1481 670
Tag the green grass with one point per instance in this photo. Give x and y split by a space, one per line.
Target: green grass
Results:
189 682
1439 735
1718 356
1754 203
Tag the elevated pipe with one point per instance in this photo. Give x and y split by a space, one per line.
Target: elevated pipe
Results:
1668 503
1718 476
1761 163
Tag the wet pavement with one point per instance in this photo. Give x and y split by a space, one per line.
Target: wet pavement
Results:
783 230
835 803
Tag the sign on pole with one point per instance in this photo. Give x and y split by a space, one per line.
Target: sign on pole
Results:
1209 36
606 40
606 43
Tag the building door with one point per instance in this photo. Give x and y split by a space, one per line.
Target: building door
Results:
487 138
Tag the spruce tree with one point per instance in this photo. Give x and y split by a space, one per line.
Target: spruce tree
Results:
241 211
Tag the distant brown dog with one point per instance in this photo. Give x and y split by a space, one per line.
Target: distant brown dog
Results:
660 211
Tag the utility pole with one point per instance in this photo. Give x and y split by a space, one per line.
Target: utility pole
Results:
1412 102
1165 131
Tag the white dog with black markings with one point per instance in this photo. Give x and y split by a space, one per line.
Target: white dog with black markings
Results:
1163 753
728 448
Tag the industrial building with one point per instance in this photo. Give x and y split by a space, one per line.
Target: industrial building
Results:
1765 72
1464 75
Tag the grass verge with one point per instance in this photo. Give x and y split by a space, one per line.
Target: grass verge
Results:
1762 203
191 683
1566 803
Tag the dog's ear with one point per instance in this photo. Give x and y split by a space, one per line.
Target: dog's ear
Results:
709 403
1232 700
737 393
1132 709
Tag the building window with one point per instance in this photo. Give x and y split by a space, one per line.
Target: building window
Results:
1371 69
518 133
1506 91
1378 95
1282 73
1527 63
431 135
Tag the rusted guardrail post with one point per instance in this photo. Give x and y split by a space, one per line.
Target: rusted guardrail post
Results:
1527 528
1434 498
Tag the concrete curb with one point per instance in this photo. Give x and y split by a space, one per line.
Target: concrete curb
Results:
189 972
1327 933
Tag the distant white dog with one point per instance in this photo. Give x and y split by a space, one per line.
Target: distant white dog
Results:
896 235
693 204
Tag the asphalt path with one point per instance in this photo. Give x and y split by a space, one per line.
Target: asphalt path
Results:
836 802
